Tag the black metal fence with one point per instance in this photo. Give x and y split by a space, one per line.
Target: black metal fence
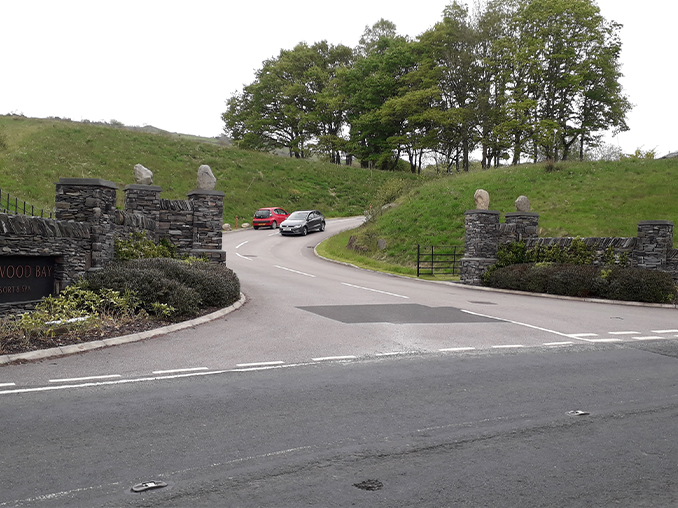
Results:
8 204
442 260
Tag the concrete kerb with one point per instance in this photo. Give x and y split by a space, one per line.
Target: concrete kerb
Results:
115 341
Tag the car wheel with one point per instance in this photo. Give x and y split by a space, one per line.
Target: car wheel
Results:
322 226
274 225
304 231
256 227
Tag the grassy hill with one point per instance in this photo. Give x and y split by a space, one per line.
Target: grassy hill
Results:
573 199
37 152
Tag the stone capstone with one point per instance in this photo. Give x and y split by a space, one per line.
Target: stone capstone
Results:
206 179
142 175
522 204
482 199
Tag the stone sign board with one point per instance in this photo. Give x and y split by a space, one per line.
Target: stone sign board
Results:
26 278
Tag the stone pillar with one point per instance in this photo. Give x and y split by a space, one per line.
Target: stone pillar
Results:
208 212
655 241
480 245
143 199
90 200
519 226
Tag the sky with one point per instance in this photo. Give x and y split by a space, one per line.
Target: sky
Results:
173 64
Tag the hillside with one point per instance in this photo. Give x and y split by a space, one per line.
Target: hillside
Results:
573 199
38 152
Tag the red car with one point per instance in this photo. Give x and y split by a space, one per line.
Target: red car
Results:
269 217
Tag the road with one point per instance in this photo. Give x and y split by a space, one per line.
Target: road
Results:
331 377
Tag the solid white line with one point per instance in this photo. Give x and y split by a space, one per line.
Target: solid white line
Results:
375 290
174 371
326 358
241 244
519 323
7 384
90 378
452 349
508 346
259 364
566 343
664 331
241 256
290 270
647 338
625 333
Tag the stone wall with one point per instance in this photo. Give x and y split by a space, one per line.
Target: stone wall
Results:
175 222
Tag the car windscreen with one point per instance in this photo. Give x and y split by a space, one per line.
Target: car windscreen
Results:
262 214
298 216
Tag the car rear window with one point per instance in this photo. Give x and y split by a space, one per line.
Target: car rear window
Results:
262 214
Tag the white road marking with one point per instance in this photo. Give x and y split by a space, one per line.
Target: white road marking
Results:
648 338
582 335
566 343
259 364
241 244
7 384
625 333
602 340
273 234
295 271
452 349
241 256
89 378
392 354
521 324
508 346
175 371
664 331
327 358
374 290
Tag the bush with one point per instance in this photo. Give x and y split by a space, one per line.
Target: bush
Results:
639 285
618 283
139 246
182 287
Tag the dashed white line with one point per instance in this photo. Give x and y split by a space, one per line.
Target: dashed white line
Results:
244 257
664 331
582 335
241 244
329 358
506 346
175 371
655 337
564 343
89 378
260 364
374 290
7 384
602 340
625 333
394 353
295 271
453 349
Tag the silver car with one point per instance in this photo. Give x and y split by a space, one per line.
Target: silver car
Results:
302 222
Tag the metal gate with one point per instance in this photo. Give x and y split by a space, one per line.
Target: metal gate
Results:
434 260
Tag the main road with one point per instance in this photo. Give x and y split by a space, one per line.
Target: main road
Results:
335 386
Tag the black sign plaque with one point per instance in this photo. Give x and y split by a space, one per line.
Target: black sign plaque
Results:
26 278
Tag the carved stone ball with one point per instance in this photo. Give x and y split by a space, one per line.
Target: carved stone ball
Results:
206 179
522 204
482 199
142 175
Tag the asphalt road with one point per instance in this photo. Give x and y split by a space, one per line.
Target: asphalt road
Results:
335 386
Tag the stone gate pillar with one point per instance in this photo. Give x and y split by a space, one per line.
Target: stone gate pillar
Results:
655 241
144 199
208 212
480 245
90 200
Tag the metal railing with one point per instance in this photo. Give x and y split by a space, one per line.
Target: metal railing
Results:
8 204
443 260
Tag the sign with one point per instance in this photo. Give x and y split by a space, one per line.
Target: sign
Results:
26 278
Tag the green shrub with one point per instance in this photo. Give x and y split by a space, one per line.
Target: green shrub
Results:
617 283
150 285
640 285
138 246
217 285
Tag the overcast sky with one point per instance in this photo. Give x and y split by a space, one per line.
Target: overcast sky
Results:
173 64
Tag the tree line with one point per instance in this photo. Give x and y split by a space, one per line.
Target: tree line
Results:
511 79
